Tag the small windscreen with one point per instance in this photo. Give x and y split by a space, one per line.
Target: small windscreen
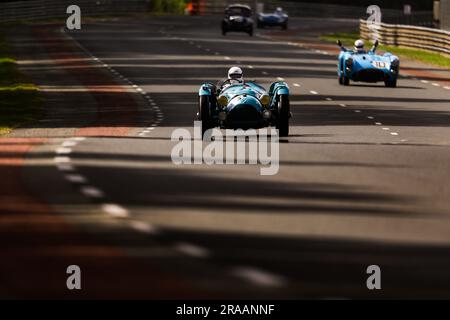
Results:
238 11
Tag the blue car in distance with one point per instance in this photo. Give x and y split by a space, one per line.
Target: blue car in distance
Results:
276 19
367 66
244 106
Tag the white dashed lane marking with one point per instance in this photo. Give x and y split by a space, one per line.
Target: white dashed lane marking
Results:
75 178
92 192
192 250
143 227
115 210
314 92
258 277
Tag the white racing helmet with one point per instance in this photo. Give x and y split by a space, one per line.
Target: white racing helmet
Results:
235 73
359 45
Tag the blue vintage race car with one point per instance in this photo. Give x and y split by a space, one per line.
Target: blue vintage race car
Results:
367 67
244 106
276 19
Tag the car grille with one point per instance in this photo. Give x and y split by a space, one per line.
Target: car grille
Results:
370 75
245 116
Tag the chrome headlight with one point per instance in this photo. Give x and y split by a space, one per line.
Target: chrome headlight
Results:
222 101
265 99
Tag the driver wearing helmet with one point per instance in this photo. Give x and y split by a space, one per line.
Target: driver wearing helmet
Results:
359 47
279 11
235 76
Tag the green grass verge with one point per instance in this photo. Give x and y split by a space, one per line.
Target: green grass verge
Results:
348 39
20 101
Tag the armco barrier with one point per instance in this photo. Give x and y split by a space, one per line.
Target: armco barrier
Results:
435 40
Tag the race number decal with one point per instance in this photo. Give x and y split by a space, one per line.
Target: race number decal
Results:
379 64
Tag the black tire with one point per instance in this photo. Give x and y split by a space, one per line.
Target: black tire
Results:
391 83
284 113
224 32
259 25
341 81
284 26
345 80
250 32
204 111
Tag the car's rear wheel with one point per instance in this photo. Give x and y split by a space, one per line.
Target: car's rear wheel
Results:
391 83
341 80
205 113
283 115
284 26
224 32
250 32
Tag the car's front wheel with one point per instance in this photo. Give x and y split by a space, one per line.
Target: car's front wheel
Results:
250 32
284 113
345 80
205 113
391 83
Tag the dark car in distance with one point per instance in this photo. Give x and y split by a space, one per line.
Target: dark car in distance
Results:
238 18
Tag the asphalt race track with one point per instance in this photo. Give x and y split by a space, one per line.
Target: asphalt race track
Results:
363 176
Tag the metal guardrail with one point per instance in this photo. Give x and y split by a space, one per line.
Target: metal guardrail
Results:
434 40
49 9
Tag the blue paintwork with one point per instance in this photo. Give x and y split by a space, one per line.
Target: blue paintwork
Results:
244 96
272 19
368 67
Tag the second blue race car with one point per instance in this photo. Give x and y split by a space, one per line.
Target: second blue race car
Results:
278 18
367 66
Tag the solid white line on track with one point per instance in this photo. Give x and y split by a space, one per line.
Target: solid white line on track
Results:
258 277
68 144
63 150
115 210
79 139
192 250
61 159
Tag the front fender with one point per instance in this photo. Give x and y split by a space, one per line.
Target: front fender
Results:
206 90
278 88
